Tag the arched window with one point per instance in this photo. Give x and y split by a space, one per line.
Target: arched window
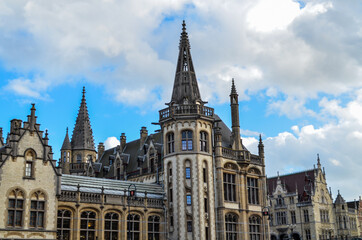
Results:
111 226
254 228
63 224
15 208
79 158
37 210
88 225
253 191
29 161
231 221
170 143
153 227
204 142
133 227
186 141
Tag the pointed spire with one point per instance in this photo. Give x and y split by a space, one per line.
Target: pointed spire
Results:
185 88
32 117
318 161
82 138
233 88
66 143
261 147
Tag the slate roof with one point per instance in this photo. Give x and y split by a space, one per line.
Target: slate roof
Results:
185 84
353 204
293 182
113 187
339 199
82 137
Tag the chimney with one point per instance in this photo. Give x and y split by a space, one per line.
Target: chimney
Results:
143 135
100 150
123 141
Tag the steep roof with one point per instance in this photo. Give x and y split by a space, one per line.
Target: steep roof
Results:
185 85
293 182
66 143
82 138
339 199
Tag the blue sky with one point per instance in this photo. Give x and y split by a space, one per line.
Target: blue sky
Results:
296 64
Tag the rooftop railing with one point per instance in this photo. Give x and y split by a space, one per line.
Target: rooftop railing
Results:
184 110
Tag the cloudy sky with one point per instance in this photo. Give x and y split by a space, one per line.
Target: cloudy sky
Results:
297 67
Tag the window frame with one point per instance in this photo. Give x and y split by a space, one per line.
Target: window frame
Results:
204 141
90 229
253 190
133 219
231 227
153 227
19 196
61 220
187 140
229 185
111 225
170 139
255 227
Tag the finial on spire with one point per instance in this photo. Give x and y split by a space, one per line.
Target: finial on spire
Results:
46 133
318 160
83 92
260 140
67 130
233 88
183 26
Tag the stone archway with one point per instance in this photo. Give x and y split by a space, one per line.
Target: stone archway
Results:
283 236
273 237
295 236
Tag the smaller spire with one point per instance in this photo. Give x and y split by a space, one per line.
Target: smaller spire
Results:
318 161
183 26
83 92
233 88
66 143
32 117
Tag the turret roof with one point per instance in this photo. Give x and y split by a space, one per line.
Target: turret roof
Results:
66 143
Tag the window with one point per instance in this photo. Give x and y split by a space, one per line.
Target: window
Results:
88 225
306 215
292 216
111 226
229 187
153 228
291 200
171 221
64 156
206 203
186 141
230 227
29 160
281 218
307 234
324 215
253 191
171 196
63 224
254 227
152 163
15 208
37 210
133 227
79 158
280 200
170 143
189 226
203 142
204 174
188 172
271 219
188 200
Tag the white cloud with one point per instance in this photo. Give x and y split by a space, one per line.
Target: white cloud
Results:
111 142
28 88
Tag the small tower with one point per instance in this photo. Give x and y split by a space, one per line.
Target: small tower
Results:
261 147
65 154
234 104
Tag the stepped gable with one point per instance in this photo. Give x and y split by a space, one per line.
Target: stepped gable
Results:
293 182
185 88
82 138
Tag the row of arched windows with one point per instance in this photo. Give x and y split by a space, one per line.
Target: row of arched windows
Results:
187 141
232 226
112 226
17 207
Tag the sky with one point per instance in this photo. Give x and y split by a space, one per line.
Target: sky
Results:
297 67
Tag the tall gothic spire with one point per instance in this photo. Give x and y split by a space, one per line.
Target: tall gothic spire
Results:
82 134
185 88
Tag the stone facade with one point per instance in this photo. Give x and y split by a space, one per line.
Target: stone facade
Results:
301 207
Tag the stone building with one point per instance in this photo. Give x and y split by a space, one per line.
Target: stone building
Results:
301 207
193 179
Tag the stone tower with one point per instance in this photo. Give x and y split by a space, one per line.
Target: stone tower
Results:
187 130
78 155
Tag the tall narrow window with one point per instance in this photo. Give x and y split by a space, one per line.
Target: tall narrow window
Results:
203 142
153 227
63 224
15 208
230 227
253 191
189 226
79 158
187 172
292 216
170 143
229 187
133 227
37 210
281 218
307 233
206 205
186 141
29 160
306 215
204 174
111 226
254 227
171 196
188 200
88 225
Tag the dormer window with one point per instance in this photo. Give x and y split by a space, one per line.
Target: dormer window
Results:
29 161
